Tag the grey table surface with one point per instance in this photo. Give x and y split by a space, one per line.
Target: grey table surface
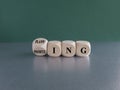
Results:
21 70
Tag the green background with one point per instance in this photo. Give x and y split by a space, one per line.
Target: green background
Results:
25 20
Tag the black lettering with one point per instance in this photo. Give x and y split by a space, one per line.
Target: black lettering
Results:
39 51
68 50
36 41
54 50
40 41
83 50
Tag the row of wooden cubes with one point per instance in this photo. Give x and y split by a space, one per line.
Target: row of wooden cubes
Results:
67 48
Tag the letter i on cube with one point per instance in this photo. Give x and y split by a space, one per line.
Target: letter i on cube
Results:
54 48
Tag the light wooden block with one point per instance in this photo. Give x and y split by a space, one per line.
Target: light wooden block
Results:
83 48
54 48
39 46
68 48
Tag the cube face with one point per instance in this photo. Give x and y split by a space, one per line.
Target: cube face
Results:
54 48
83 48
39 46
68 48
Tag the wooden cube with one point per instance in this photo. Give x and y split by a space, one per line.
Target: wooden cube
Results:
39 46
68 48
54 48
83 48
